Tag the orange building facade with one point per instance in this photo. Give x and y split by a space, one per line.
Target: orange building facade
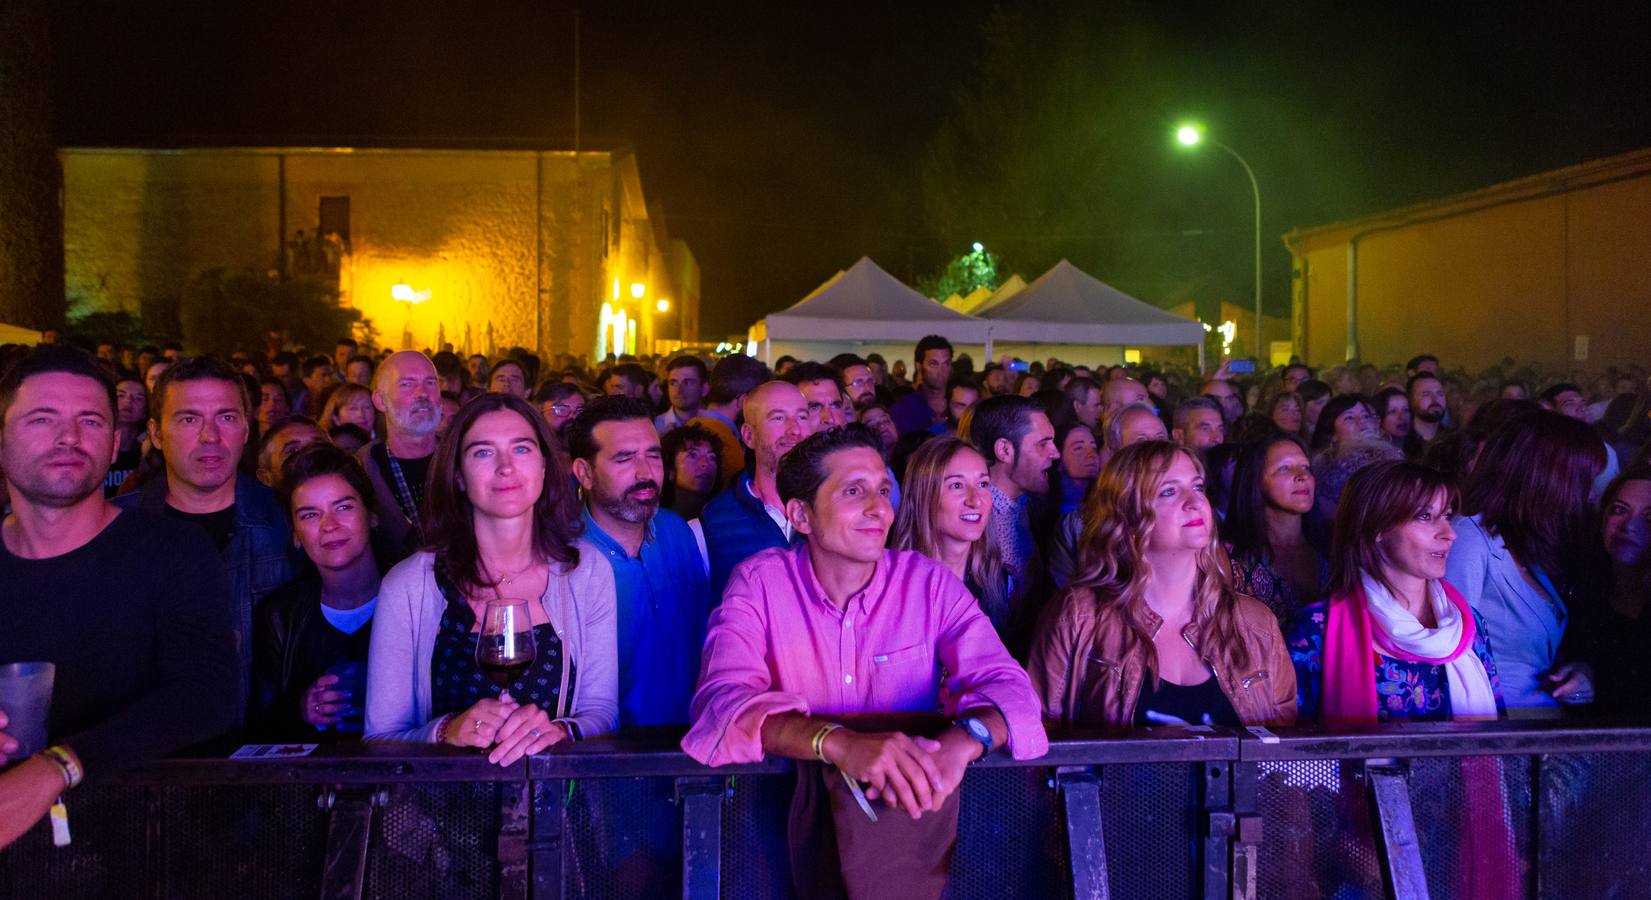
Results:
1553 269
554 251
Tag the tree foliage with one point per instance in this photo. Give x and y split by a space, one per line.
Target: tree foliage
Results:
962 275
223 310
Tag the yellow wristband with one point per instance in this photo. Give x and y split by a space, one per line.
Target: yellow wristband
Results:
820 738
72 773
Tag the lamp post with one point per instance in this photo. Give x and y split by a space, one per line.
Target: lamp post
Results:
1192 136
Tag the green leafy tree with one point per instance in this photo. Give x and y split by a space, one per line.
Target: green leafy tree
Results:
976 269
223 310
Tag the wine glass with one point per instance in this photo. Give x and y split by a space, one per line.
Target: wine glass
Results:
504 648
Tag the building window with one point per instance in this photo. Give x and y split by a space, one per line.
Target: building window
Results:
335 217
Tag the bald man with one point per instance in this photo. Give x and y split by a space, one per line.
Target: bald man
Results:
407 390
748 517
1118 393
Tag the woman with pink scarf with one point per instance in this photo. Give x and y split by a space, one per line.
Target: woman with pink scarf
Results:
1397 642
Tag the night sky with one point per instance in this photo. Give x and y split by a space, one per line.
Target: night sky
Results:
785 143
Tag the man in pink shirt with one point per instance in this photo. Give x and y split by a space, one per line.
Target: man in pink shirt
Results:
838 625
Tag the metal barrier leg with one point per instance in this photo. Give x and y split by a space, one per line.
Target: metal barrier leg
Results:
515 819
1080 789
701 800
1217 801
349 828
1400 851
1243 827
545 842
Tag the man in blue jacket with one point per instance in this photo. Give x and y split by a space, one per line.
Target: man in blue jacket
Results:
659 577
748 517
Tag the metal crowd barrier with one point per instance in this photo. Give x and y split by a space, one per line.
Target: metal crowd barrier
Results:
1168 812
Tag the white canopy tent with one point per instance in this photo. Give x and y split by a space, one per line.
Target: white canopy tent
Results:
863 309
1067 306
17 334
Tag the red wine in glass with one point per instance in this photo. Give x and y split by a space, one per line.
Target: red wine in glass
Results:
504 648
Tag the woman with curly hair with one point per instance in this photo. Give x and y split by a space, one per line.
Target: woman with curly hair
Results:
1151 631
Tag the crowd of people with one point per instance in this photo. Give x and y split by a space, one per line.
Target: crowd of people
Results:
313 548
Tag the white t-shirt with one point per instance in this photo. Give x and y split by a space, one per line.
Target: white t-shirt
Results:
350 621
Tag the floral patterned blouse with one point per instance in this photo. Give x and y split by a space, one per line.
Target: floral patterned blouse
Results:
1404 690
1255 575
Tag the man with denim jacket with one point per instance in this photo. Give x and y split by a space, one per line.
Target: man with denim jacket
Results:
199 420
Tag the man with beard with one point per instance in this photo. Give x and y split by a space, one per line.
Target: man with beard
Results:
659 577
748 517
199 420
1427 412
407 390
132 608
1016 438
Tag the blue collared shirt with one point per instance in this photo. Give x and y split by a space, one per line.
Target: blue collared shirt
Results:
664 600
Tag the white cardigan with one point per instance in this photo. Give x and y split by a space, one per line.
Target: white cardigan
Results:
579 601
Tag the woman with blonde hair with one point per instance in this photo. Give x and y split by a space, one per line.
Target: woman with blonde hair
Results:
944 510
349 404
1150 631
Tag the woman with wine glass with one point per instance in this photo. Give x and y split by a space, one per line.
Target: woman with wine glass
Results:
501 634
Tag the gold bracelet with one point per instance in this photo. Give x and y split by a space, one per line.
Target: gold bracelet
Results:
820 738
441 730
72 773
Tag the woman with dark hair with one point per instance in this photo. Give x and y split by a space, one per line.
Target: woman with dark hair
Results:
1345 419
1314 395
1273 549
503 523
1395 640
1392 407
1150 631
310 636
1621 650
1079 464
1523 551
943 514
1285 411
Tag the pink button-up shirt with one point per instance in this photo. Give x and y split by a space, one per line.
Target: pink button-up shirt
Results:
778 644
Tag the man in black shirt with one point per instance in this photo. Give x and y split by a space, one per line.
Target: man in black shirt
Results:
407 390
198 419
132 609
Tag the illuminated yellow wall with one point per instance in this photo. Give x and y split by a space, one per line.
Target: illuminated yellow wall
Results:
515 248
1517 271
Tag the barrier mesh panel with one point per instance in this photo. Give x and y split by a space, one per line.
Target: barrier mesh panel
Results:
435 840
754 847
1487 797
106 858
1150 818
265 841
1317 840
1010 832
623 839
1596 825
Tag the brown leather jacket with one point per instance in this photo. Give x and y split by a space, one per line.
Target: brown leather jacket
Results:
1079 668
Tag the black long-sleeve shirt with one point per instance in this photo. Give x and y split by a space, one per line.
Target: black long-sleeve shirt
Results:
138 623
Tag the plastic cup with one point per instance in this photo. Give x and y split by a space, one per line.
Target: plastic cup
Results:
26 698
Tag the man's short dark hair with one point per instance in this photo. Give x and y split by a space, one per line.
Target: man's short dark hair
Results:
1418 360
735 376
631 371
931 342
196 368
581 432
284 358
554 392
803 468
1079 388
45 359
358 358
1004 417
1410 383
280 425
315 461
171 345
1552 393
1302 365
313 363
844 361
686 361
1185 409
961 381
876 359
350 343
807 372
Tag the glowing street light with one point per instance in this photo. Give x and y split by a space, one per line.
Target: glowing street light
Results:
979 247
638 289
663 305
404 293
1191 135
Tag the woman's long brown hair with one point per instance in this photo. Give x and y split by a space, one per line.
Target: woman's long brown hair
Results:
557 520
920 499
1112 563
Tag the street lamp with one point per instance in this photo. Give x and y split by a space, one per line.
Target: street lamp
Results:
1192 136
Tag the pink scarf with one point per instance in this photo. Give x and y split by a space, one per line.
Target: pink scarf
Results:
1350 697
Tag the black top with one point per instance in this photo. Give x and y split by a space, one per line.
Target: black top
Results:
126 462
1190 704
293 644
414 470
457 680
219 525
137 621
